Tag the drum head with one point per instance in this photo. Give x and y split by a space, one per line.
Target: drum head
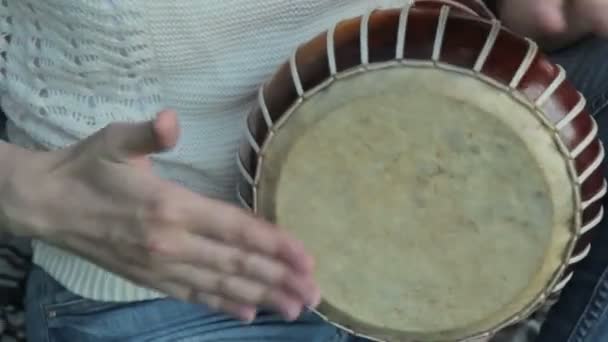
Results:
441 170
437 206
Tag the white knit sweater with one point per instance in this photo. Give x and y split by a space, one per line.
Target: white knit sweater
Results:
73 66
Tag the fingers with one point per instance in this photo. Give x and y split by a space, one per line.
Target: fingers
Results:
243 312
228 253
236 227
178 207
135 140
242 292
232 261
559 16
234 294
551 15
596 13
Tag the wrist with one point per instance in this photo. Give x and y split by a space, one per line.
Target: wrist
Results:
18 189
8 154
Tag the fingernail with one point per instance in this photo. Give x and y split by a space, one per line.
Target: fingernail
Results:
248 315
316 301
313 295
313 298
293 313
308 264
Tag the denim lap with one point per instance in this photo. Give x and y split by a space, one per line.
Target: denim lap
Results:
56 315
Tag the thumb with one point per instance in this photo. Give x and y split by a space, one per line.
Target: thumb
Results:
551 15
135 140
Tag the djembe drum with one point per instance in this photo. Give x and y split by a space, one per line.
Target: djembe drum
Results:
442 170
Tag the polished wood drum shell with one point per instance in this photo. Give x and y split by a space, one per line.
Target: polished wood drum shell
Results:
444 173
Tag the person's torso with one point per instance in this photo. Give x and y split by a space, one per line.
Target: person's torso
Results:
73 66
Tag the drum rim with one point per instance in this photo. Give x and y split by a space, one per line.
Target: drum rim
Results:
559 279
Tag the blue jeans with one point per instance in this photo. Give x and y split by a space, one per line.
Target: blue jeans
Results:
581 315
56 315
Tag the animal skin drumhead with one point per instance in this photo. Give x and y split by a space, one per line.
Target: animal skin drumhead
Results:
434 203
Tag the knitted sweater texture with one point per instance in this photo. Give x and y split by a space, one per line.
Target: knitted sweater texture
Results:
73 66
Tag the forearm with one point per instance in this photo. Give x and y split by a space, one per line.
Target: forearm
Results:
8 154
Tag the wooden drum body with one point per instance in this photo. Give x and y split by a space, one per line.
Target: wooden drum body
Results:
443 172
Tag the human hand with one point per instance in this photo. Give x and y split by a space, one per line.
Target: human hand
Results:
561 21
100 199
557 15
